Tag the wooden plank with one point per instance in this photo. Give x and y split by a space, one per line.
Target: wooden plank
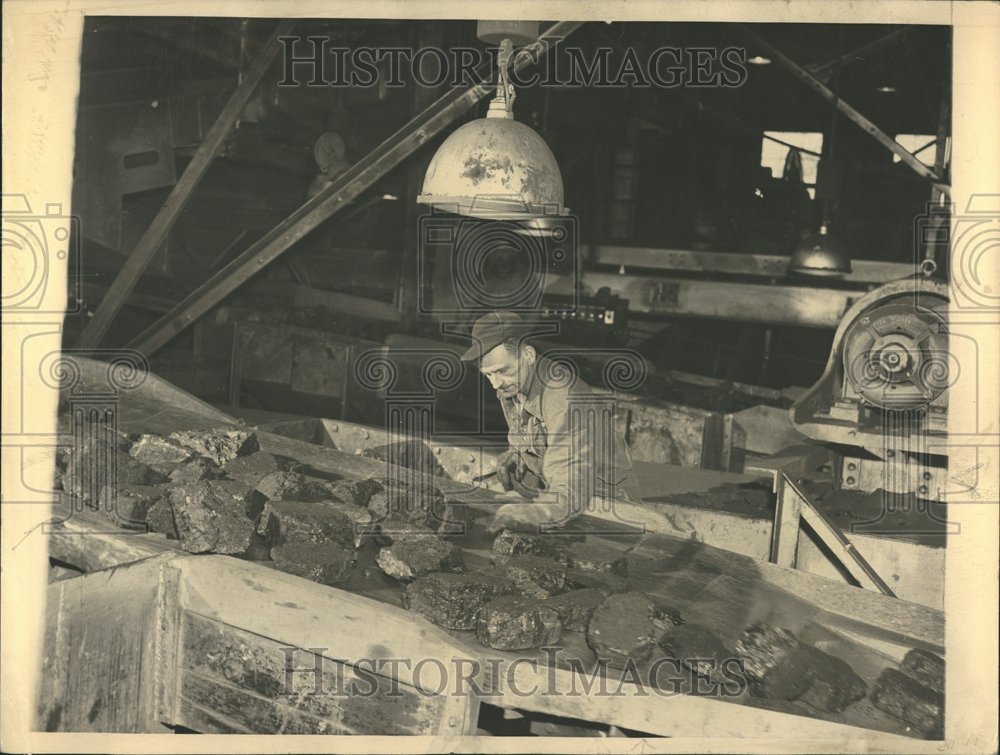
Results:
101 671
744 302
154 236
845 605
734 263
246 679
306 615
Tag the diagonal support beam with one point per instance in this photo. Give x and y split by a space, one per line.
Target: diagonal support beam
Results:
154 236
824 71
825 92
335 197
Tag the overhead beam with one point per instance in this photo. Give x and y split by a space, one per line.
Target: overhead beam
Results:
337 195
824 71
157 232
854 115
725 300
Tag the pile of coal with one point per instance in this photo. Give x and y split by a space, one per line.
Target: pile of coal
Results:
695 648
915 693
195 470
305 522
215 516
453 601
535 576
327 563
219 445
511 543
780 667
576 607
621 628
408 560
517 623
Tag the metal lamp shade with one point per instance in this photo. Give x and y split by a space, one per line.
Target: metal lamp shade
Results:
819 254
497 169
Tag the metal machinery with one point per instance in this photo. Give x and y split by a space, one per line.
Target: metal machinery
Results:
882 400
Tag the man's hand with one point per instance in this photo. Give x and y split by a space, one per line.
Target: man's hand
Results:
527 516
510 468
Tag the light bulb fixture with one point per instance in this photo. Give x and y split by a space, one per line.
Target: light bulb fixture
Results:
819 254
495 167
758 60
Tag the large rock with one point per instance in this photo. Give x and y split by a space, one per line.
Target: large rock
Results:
215 516
409 559
696 648
453 601
327 563
160 453
291 486
780 667
254 467
218 445
128 505
761 648
97 465
420 505
356 492
305 522
576 607
908 700
195 470
622 628
535 576
834 684
160 518
926 668
516 623
512 543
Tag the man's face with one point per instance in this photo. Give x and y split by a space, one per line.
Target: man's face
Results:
506 370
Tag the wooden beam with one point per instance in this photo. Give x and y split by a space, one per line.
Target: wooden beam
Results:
337 195
735 263
854 115
726 300
157 232
823 71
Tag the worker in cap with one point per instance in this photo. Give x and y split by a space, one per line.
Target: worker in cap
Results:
564 448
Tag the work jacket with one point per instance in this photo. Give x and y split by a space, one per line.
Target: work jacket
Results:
566 436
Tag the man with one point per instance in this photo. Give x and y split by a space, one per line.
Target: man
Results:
564 448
